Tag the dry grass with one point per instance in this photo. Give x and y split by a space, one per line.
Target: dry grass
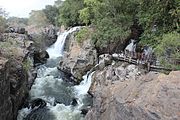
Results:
12 48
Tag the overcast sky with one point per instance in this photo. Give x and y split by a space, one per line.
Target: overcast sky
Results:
22 8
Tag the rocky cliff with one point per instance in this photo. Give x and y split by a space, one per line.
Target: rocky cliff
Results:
14 75
124 92
78 58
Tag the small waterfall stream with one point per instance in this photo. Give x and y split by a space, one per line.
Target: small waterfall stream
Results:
58 94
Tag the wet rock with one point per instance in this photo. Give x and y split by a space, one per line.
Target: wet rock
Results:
84 111
38 102
40 114
74 102
40 57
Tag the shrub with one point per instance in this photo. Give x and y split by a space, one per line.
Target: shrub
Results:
83 34
27 64
168 50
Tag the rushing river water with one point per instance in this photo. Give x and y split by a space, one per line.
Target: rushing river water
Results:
58 94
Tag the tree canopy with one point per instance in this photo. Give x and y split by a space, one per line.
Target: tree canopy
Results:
112 20
69 12
51 13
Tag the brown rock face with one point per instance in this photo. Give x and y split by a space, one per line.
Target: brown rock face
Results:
78 59
13 89
121 93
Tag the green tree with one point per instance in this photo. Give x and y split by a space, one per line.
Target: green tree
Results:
3 14
69 12
168 49
158 17
111 19
58 3
51 13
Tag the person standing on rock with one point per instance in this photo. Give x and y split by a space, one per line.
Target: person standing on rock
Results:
139 53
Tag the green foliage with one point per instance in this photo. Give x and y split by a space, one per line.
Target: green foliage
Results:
27 64
112 19
85 15
168 49
38 18
69 12
83 34
158 17
2 24
2 20
107 32
51 13
58 3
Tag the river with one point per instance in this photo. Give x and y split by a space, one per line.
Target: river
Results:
50 87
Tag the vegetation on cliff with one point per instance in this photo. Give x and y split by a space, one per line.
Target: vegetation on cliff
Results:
112 22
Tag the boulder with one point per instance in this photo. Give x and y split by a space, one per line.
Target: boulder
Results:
40 57
21 31
74 102
123 92
78 58
104 60
38 102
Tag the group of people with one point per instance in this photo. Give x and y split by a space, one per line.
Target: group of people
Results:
143 54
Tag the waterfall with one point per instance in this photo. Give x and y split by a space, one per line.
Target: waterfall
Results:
56 50
58 94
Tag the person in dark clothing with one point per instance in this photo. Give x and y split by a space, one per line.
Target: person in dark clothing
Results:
139 52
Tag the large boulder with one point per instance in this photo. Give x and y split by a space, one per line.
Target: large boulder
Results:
124 93
40 57
78 58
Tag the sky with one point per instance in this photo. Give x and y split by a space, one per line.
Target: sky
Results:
22 8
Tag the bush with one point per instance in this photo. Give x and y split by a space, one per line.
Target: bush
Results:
27 64
168 50
83 34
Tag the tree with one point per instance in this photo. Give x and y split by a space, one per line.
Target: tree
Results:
51 13
3 14
38 18
168 49
112 19
58 3
69 12
158 17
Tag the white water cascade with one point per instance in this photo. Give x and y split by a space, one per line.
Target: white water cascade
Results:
50 87
56 50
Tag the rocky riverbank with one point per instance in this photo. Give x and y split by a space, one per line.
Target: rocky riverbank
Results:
16 74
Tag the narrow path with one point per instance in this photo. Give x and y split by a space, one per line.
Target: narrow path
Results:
145 64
